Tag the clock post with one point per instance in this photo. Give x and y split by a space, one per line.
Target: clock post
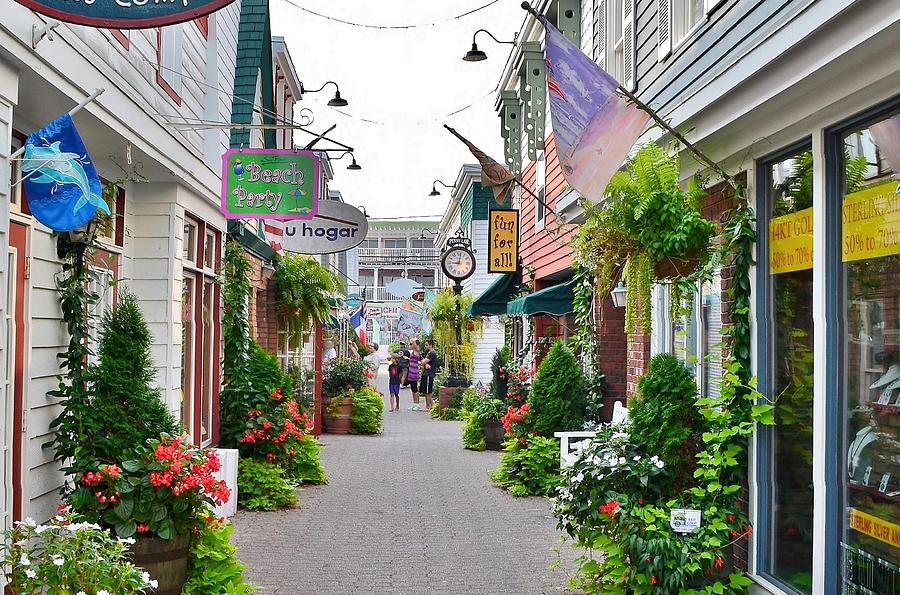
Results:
458 264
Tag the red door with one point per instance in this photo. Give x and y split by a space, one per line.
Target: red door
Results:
17 298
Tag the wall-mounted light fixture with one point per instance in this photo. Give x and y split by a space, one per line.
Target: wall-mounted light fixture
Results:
618 295
336 101
476 55
434 190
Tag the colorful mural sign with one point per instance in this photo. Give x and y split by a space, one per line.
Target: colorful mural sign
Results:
503 241
125 14
270 184
791 242
871 223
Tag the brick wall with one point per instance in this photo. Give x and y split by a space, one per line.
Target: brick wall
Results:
612 349
262 306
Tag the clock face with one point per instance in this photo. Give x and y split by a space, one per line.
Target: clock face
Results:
458 263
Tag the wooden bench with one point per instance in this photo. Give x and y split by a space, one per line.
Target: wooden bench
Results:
567 440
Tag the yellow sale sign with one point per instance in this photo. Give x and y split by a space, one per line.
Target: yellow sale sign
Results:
791 242
871 223
503 241
875 527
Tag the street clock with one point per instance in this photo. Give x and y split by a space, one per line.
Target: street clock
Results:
458 259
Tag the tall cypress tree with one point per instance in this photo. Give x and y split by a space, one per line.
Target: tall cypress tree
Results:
125 408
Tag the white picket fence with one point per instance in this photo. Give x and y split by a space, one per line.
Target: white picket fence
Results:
568 440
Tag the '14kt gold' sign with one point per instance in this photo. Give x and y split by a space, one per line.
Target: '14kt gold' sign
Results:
791 242
503 241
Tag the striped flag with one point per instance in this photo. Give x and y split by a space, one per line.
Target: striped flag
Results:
595 127
358 320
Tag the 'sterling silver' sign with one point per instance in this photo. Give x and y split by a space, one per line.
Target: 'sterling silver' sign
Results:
336 227
125 14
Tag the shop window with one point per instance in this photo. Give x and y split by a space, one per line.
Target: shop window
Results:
394 242
786 368
421 243
101 282
369 244
201 332
697 336
869 309
111 230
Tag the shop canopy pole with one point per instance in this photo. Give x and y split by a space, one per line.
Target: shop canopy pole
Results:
80 106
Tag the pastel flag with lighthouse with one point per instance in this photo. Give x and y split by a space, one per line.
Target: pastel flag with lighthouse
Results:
594 126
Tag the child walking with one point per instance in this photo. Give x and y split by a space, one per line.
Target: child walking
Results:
394 376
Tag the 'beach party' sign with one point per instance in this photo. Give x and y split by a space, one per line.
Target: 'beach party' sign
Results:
270 184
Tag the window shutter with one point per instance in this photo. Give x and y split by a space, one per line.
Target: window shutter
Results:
664 27
628 75
600 33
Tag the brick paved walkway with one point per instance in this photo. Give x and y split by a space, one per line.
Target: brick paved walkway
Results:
409 511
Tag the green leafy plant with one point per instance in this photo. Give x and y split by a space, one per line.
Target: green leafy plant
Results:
529 466
68 555
158 493
342 375
305 466
435 411
649 229
557 396
263 486
499 379
665 417
214 566
368 411
473 432
303 287
451 414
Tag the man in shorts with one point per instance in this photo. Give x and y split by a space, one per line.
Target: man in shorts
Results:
394 384
427 371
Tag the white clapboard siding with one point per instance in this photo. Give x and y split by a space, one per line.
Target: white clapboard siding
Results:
5 396
492 336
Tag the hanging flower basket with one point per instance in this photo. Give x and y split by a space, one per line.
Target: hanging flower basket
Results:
674 266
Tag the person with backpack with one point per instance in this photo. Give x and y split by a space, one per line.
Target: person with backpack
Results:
428 368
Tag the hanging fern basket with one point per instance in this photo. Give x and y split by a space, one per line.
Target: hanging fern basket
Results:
673 267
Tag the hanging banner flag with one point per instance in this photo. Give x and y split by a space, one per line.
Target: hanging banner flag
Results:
60 181
270 184
594 127
125 14
503 240
791 242
493 175
358 321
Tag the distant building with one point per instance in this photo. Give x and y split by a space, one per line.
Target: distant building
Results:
393 249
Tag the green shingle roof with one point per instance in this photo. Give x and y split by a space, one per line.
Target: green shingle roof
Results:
254 59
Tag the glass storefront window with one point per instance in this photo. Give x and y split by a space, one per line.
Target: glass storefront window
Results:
870 340
789 365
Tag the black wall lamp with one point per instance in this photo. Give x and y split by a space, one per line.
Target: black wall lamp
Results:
476 55
336 101
434 190
353 165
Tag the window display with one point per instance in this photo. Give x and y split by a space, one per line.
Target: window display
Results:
789 384
870 254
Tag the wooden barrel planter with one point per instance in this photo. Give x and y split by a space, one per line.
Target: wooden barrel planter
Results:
494 433
166 561
337 417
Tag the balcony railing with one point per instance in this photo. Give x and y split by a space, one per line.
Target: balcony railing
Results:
399 256
380 294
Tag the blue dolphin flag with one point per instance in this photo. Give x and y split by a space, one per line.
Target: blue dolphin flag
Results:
61 184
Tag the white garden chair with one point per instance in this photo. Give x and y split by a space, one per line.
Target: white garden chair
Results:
571 443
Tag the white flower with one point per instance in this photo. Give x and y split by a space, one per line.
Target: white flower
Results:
41 528
29 522
636 458
60 518
145 576
154 584
578 478
24 561
660 464
102 592
30 573
81 593
57 561
621 461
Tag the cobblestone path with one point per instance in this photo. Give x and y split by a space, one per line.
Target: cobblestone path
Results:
408 511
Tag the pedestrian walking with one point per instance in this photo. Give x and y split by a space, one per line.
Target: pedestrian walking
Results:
394 375
413 374
402 354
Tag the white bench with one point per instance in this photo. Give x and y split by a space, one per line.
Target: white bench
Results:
567 440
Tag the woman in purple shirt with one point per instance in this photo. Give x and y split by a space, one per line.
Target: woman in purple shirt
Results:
412 376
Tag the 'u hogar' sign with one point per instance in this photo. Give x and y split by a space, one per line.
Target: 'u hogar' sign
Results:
125 14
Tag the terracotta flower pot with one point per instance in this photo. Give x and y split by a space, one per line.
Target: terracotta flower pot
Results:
337 419
166 561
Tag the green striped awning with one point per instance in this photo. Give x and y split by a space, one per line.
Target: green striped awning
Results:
556 300
496 297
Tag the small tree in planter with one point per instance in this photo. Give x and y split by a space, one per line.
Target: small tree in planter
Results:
557 396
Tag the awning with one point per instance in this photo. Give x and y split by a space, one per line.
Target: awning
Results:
496 297
556 300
